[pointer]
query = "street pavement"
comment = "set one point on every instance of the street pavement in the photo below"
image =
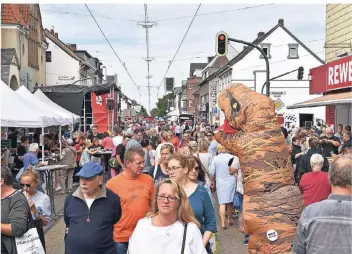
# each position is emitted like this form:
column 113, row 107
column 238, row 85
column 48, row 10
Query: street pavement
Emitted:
column 229, row 241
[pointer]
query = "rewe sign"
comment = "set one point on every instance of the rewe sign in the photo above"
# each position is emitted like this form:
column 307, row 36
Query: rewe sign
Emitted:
column 339, row 74
column 331, row 76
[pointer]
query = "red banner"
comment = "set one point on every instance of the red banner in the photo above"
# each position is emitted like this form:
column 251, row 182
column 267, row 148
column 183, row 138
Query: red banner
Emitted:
column 100, row 111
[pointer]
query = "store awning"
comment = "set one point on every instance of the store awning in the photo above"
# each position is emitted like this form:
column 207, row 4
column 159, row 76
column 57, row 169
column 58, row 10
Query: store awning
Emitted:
column 329, row 99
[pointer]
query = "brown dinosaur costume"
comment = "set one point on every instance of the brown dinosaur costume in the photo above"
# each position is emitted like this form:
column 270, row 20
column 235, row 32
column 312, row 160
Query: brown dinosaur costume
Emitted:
column 271, row 201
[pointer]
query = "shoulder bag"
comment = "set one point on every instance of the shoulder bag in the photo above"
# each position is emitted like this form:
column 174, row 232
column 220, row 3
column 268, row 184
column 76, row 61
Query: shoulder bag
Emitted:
column 184, row 239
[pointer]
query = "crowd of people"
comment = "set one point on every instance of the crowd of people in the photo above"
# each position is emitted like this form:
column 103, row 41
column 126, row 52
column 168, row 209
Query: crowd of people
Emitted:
column 163, row 185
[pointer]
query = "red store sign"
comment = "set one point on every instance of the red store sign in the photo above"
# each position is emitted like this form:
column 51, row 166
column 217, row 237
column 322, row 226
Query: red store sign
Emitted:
column 332, row 76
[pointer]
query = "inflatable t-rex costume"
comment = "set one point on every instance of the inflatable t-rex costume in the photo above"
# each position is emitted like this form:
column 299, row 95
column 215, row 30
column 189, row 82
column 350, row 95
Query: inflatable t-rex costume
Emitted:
column 271, row 201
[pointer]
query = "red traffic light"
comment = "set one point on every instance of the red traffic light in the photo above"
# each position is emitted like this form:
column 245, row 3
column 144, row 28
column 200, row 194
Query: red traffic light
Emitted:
column 222, row 37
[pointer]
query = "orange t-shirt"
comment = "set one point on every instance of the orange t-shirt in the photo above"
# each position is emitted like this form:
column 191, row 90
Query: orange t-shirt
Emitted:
column 135, row 197
column 175, row 141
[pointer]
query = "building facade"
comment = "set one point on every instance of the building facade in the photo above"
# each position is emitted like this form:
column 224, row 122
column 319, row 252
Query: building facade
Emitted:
column 286, row 53
column 23, row 46
column 62, row 64
column 338, row 30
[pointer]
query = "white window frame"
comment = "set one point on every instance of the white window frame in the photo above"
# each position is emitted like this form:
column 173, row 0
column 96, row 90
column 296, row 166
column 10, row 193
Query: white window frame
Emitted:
column 268, row 46
column 293, row 46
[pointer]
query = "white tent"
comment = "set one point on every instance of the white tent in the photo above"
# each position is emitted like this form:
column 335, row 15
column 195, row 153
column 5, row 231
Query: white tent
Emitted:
column 40, row 106
column 39, row 94
column 19, row 112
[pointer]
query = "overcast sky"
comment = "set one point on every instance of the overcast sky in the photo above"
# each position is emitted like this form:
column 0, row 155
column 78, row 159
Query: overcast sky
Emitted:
column 119, row 23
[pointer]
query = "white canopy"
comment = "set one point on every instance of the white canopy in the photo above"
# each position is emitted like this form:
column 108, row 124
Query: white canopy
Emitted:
column 39, row 94
column 19, row 112
column 42, row 107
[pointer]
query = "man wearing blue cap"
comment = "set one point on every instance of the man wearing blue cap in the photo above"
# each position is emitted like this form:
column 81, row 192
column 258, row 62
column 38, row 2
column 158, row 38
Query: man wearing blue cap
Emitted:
column 90, row 214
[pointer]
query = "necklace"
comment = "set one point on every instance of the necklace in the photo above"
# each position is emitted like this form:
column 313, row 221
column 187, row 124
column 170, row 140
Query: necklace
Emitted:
column 169, row 228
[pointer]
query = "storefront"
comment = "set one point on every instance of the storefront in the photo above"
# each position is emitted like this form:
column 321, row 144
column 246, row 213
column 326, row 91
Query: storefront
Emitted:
column 334, row 81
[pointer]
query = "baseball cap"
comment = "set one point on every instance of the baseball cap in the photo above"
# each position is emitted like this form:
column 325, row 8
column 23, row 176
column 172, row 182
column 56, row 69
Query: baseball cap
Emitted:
column 90, row 169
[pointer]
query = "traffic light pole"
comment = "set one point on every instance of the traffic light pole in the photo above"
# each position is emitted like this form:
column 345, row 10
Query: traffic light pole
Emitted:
column 279, row 77
column 267, row 83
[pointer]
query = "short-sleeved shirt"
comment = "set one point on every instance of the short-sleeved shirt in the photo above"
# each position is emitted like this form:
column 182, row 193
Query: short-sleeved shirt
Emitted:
column 96, row 147
column 135, row 196
column 120, row 150
column 315, row 187
column 328, row 147
column 42, row 203
column 213, row 147
column 159, row 175
column 21, row 150
column 29, row 159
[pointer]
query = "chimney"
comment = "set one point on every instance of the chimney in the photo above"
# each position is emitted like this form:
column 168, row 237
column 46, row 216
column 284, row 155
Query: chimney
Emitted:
column 210, row 58
column 73, row 47
column 52, row 30
column 261, row 34
column 57, row 35
column 281, row 22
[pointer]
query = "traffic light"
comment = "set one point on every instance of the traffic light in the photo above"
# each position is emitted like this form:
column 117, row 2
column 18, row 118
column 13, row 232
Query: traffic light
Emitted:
column 300, row 73
column 221, row 44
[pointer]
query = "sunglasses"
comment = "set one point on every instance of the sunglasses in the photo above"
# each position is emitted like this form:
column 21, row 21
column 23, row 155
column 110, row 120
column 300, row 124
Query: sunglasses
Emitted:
column 28, row 185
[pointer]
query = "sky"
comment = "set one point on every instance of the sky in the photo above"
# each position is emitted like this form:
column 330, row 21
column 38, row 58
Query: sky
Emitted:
column 74, row 24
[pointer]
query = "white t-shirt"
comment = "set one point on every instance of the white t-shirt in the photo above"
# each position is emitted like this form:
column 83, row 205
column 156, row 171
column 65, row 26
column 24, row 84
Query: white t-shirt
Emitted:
column 177, row 129
column 117, row 140
column 148, row 239
column 89, row 202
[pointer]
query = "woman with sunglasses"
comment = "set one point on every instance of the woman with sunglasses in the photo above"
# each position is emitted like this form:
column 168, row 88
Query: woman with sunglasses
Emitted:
column 162, row 231
column 39, row 203
column 179, row 169
column 198, row 175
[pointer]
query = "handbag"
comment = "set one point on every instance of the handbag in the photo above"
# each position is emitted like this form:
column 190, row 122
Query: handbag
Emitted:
column 31, row 242
column 184, row 239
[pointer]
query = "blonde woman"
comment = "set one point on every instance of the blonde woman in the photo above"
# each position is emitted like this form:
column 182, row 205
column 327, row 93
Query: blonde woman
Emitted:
column 225, row 182
column 204, row 156
column 160, row 171
column 185, row 151
column 170, row 227
column 179, row 169
column 85, row 157
column 193, row 144
column 165, row 139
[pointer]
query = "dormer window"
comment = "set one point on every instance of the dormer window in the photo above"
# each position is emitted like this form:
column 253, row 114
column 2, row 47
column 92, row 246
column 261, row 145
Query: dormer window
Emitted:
column 293, row 51
column 266, row 48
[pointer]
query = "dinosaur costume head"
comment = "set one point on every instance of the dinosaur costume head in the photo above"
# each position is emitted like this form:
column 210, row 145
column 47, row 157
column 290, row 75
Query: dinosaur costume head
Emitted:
column 271, row 201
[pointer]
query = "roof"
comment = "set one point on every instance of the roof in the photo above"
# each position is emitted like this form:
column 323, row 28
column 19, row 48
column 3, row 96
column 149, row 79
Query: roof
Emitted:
column 329, row 99
column 19, row 14
column 259, row 40
column 195, row 66
column 14, row 14
column 62, row 45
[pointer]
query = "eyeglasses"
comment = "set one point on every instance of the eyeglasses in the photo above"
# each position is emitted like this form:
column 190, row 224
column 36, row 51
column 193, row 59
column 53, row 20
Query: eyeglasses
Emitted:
column 174, row 169
column 169, row 199
column 28, row 185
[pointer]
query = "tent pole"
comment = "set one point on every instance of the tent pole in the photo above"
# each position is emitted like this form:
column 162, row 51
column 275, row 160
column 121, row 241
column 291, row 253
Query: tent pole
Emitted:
column 60, row 139
column 84, row 114
column 43, row 144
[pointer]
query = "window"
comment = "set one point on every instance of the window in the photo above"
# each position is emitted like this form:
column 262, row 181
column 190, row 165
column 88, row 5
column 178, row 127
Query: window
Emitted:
column 293, row 51
column 48, row 56
column 189, row 86
column 23, row 49
column 190, row 103
column 266, row 48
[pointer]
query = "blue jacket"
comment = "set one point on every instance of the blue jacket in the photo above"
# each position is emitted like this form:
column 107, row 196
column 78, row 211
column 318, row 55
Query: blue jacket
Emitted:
column 90, row 231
